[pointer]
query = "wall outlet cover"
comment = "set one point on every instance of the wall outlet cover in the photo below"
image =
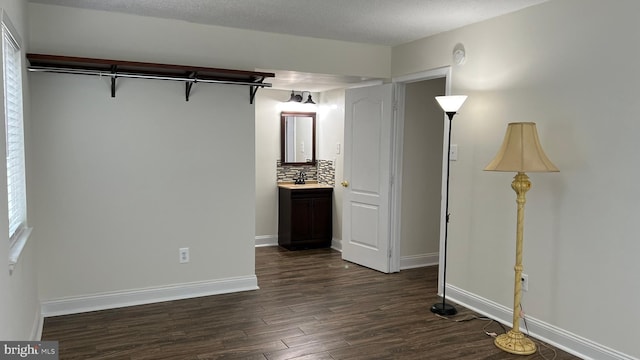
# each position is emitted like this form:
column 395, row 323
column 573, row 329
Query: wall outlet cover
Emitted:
column 184, row 255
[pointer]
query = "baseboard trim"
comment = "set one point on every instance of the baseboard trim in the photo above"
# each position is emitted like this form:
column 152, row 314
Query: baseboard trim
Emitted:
column 552, row 335
column 416, row 261
column 38, row 325
column 117, row 299
column 272, row 240
column 336, row 244
column 266, row 240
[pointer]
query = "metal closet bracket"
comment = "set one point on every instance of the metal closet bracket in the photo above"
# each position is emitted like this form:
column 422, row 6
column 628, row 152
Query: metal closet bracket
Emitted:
column 189, row 84
column 114, row 74
column 254, row 89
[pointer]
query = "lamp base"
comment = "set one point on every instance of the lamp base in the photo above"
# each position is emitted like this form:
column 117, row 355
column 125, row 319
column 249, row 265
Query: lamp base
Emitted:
column 515, row 342
column 443, row 309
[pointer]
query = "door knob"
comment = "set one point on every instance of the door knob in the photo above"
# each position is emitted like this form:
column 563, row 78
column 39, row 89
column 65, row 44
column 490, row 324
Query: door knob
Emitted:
column 345, row 183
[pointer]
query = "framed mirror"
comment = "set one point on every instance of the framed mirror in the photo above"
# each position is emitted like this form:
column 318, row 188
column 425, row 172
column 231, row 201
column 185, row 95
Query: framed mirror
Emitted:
column 298, row 138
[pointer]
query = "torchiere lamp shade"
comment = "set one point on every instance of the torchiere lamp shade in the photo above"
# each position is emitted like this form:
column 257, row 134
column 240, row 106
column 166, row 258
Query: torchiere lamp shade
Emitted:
column 451, row 103
column 521, row 151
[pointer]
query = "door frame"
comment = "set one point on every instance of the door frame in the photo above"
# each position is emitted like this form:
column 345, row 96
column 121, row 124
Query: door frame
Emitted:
column 396, row 159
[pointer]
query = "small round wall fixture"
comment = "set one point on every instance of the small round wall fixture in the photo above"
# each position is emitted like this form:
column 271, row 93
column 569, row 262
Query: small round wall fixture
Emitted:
column 459, row 54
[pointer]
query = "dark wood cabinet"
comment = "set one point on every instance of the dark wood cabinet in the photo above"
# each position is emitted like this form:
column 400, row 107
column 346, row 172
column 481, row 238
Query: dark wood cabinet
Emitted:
column 305, row 217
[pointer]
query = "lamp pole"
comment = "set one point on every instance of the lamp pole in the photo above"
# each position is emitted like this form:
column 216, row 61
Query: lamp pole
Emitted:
column 514, row 341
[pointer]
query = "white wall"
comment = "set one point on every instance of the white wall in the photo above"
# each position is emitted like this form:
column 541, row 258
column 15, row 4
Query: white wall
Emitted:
column 331, row 133
column 268, row 103
column 570, row 66
column 19, row 305
column 121, row 183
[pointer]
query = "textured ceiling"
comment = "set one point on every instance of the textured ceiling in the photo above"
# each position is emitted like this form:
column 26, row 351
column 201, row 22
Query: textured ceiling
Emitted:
column 382, row 22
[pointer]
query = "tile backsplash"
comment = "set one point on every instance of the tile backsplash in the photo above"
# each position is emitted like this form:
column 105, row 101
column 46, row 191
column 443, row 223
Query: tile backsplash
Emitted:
column 324, row 172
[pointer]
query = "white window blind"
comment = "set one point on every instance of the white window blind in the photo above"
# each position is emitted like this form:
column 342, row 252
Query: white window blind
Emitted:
column 16, row 187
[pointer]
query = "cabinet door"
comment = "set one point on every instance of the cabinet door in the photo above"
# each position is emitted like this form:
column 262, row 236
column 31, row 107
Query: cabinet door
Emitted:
column 301, row 219
column 321, row 219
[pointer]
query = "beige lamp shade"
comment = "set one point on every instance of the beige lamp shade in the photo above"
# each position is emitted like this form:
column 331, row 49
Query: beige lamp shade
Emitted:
column 521, row 151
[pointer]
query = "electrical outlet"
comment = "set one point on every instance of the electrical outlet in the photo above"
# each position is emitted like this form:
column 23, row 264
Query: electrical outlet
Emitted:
column 184, row 255
column 525, row 282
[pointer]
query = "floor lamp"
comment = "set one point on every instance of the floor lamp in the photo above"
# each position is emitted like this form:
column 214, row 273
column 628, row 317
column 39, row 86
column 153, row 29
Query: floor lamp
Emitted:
column 521, row 152
column 450, row 104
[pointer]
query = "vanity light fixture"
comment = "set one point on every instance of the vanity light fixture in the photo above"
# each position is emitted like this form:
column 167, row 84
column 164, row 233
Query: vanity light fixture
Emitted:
column 295, row 97
column 309, row 100
column 298, row 97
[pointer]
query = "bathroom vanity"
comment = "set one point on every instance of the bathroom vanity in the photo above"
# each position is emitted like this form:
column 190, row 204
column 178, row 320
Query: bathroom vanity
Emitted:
column 304, row 215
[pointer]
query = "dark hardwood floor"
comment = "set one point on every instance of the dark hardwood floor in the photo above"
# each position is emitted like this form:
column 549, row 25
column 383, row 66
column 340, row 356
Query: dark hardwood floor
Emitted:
column 311, row 305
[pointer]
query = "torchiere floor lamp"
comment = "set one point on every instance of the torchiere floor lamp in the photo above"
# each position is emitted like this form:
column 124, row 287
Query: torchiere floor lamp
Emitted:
column 450, row 104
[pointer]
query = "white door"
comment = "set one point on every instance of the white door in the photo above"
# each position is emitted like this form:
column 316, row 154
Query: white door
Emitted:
column 367, row 172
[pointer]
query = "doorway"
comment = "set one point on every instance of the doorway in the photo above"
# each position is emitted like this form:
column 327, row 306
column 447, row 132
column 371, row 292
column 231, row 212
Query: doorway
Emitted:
column 421, row 151
column 421, row 174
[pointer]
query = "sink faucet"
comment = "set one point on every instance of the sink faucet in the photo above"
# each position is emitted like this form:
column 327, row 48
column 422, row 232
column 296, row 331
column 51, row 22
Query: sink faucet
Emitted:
column 301, row 178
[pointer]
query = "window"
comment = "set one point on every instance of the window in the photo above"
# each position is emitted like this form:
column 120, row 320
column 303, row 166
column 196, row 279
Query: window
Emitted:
column 16, row 184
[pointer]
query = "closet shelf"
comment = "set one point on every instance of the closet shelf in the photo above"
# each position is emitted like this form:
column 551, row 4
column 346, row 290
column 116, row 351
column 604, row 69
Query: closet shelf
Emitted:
column 115, row 69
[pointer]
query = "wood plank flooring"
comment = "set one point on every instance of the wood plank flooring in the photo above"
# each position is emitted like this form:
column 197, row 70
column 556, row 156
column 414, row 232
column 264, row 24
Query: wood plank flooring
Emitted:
column 311, row 305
